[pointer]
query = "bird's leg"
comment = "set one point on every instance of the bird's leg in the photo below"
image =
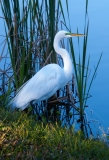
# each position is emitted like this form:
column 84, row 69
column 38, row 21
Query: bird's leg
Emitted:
column 58, row 93
column 37, row 112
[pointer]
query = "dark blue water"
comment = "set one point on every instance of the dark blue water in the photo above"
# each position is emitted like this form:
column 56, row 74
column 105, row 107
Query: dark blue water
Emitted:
column 98, row 41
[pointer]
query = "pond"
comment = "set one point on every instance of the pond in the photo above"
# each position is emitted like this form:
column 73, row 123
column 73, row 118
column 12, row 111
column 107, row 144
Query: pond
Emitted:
column 98, row 41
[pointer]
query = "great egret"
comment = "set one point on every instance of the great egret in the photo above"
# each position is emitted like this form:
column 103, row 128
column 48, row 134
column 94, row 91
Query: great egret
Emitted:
column 49, row 79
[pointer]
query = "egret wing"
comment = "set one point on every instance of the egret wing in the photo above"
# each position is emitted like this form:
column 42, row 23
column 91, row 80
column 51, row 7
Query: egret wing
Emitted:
column 41, row 86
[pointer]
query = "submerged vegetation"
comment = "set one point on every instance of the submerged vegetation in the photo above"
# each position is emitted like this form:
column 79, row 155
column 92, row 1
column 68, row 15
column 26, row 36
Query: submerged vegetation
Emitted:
column 21, row 137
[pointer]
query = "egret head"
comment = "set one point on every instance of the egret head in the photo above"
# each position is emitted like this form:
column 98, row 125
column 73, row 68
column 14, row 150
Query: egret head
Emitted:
column 65, row 34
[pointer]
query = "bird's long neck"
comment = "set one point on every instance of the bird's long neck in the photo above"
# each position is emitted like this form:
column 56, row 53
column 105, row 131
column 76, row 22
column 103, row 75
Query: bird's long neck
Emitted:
column 66, row 58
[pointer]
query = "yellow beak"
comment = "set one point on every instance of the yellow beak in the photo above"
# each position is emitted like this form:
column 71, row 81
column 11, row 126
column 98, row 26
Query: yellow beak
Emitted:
column 77, row 35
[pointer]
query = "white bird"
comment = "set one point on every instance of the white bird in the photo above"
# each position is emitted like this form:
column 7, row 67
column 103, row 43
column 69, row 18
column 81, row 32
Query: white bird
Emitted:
column 48, row 80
